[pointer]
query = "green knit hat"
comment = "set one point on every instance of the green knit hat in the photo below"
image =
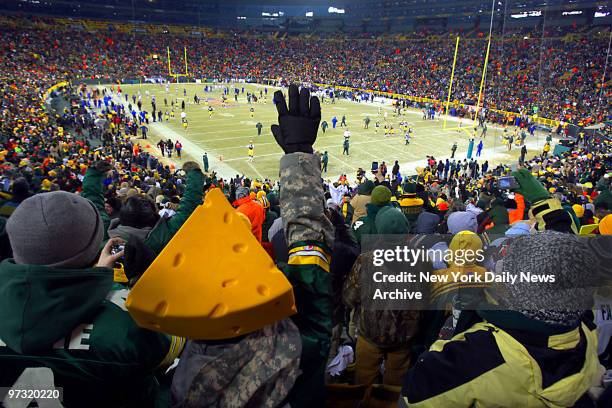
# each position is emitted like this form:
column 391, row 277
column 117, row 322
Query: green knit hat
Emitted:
column 390, row 220
column 380, row 196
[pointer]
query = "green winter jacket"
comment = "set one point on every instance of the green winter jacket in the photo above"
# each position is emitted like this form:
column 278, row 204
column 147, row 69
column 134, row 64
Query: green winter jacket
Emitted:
column 270, row 217
column 163, row 232
column 93, row 190
column 499, row 216
column 73, row 325
column 365, row 225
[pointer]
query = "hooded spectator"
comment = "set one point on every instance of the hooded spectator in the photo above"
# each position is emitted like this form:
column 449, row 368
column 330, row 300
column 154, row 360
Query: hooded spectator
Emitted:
column 447, row 294
column 461, row 221
column 427, row 223
column 384, row 335
column 75, row 329
column 380, row 198
column 253, row 210
column 363, row 197
column 516, row 363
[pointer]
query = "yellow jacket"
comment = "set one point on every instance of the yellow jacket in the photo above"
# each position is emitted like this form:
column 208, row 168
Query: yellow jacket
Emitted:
column 486, row 366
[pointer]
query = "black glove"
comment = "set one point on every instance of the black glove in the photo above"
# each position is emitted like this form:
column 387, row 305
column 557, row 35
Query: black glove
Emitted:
column 298, row 125
column 102, row 166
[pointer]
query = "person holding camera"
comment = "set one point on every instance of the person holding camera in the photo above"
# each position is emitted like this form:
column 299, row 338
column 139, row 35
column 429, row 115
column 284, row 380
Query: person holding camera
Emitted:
column 64, row 321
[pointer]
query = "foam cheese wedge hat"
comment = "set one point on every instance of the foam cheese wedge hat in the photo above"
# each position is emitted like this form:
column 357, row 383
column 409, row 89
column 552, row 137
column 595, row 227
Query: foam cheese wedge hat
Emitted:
column 212, row 281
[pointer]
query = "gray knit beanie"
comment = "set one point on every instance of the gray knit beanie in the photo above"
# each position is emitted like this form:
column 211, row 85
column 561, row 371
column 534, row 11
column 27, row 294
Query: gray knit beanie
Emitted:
column 577, row 263
column 57, row 229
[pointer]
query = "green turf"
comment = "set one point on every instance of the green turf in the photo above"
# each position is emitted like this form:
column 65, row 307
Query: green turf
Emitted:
column 225, row 136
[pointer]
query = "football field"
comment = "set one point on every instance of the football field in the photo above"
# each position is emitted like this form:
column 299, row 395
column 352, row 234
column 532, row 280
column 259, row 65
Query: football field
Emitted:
column 226, row 135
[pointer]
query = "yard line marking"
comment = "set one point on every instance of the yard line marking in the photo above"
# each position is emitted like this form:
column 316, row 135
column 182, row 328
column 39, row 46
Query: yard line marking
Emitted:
column 256, row 156
column 256, row 171
column 366, row 152
column 341, row 161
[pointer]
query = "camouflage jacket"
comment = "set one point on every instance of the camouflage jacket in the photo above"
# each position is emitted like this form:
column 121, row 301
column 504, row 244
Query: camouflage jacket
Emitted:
column 283, row 363
column 383, row 328
column 309, row 238
column 231, row 373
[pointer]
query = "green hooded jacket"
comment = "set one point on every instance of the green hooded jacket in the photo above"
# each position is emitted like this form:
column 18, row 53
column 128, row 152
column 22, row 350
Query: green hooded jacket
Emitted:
column 366, row 225
column 192, row 197
column 74, row 324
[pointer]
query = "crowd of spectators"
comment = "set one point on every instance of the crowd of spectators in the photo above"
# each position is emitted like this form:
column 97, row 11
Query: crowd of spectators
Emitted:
column 553, row 77
column 73, row 189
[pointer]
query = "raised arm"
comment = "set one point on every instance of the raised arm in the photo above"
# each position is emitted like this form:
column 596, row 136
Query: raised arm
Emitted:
column 547, row 210
column 192, row 197
column 93, row 190
column 309, row 238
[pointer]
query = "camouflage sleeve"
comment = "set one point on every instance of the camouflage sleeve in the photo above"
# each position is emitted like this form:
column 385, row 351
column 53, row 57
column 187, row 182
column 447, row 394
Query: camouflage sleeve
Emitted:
column 302, row 201
column 351, row 292
column 309, row 239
